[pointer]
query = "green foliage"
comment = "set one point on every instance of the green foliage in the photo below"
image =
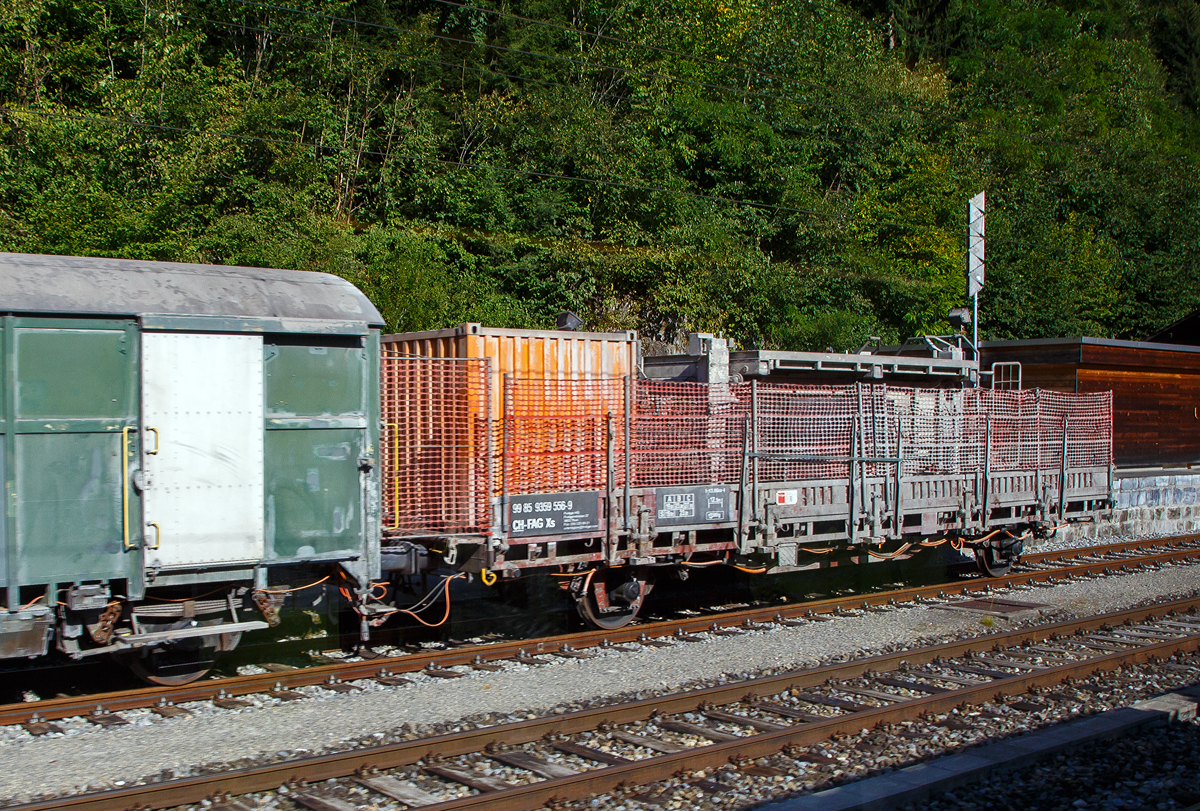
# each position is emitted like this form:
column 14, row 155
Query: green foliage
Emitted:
column 793, row 174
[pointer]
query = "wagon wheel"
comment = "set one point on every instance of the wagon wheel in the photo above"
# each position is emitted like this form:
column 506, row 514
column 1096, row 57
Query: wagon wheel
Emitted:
column 624, row 600
column 992, row 562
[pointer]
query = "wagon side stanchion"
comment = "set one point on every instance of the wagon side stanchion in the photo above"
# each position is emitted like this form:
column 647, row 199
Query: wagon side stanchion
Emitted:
column 1062, row 476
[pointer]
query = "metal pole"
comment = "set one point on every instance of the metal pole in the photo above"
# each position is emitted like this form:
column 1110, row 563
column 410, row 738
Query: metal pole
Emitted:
column 754, row 447
column 504, row 452
column 1062, row 476
column 987, row 476
column 743, row 530
column 898, row 515
column 609, row 489
column 628, row 448
column 975, row 328
column 852, row 506
column 497, row 518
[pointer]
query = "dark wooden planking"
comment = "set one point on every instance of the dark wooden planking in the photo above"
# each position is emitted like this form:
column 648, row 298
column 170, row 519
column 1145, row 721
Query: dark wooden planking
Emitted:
column 1053, row 376
column 1025, row 352
column 1142, row 358
column 1156, row 415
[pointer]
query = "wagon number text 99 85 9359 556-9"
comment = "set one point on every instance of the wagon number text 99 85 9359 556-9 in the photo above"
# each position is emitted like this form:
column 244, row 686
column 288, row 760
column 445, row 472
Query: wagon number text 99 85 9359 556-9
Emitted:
column 554, row 513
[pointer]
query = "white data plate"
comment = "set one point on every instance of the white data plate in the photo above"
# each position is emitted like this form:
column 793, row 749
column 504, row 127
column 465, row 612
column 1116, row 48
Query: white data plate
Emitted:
column 203, row 394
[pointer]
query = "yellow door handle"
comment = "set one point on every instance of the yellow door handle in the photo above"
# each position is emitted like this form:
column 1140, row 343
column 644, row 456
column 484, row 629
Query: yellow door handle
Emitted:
column 155, row 430
column 157, row 534
column 125, row 484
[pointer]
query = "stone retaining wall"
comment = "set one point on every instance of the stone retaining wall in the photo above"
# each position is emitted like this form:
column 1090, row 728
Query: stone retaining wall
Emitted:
column 1148, row 505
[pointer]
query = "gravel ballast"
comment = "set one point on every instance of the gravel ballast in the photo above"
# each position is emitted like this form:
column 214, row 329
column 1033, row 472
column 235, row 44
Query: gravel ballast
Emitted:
column 85, row 756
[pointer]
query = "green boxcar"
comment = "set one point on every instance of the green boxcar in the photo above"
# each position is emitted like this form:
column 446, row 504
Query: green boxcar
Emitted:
column 174, row 432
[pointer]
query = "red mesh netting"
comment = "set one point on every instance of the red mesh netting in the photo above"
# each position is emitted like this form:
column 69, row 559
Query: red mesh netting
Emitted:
column 687, row 433
column 812, row 421
column 434, row 445
column 555, row 434
column 1089, row 421
column 439, row 471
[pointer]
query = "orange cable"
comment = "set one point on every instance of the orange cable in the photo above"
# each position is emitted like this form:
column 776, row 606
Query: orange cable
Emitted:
column 890, row 555
column 446, row 589
column 298, row 588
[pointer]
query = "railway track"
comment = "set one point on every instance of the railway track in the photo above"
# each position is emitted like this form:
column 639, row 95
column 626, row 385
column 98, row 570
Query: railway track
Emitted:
column 569, row 757
column 1037, row 568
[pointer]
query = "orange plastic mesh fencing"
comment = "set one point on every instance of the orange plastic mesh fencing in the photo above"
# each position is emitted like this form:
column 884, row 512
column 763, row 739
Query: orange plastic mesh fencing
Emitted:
column 556, row 434
column 688, row 433
column 810, row 421
column 1089, row 422
column 435, row 445
column 441, row 464
column 1017, row 442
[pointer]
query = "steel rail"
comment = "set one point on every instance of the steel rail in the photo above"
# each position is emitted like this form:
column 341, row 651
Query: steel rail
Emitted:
column 58, row 708
column 315, row 769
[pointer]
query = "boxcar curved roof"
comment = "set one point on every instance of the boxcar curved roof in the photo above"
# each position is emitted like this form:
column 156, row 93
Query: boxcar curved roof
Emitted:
column 35, row 283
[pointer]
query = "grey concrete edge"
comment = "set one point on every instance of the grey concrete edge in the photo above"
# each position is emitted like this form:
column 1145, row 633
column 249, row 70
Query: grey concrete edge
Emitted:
column 918, row 783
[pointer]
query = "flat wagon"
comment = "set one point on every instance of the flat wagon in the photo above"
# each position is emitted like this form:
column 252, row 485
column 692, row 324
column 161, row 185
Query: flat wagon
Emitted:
column 607, row 477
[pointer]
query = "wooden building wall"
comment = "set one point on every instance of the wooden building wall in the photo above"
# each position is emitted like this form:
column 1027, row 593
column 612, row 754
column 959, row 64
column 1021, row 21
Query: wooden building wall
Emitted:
column 1156, row 390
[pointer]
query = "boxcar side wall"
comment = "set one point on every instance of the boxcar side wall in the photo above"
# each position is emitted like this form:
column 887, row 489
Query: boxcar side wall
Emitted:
column 71, row 404
column 319, row 410
column 517, row 353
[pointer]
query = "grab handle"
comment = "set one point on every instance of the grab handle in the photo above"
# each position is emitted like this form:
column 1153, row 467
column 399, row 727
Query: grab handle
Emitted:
column 125, row 485
column 157, row 534
column 155, row 430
